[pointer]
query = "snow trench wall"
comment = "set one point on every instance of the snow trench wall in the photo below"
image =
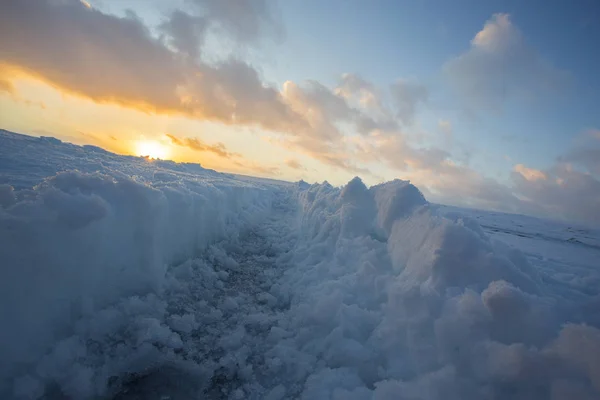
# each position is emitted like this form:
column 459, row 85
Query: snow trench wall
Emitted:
column 78, row 241
column 393, row 301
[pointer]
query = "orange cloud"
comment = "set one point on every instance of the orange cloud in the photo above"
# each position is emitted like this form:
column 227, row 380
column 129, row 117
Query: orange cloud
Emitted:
column 294, row 164
column 530, row 174
column 235, row 159
column 196, row 144
column 6, row 86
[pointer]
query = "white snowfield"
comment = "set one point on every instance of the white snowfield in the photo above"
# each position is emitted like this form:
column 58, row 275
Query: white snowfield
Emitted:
column 127, row 278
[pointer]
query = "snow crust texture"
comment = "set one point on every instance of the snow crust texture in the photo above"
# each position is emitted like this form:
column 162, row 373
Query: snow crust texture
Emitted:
column 123, row 278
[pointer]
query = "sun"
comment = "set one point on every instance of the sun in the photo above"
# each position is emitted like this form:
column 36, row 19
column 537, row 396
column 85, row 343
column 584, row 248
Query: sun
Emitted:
column 152, row 149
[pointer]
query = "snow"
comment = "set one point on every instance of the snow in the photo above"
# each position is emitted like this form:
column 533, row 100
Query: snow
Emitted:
column 126, row 278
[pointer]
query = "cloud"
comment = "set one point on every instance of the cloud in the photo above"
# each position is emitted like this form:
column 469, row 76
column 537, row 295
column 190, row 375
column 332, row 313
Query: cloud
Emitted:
column 586, row 152
column 499, row 65
column 587, row 157
column 196, row 144
column 235, row 159
column 394, row 149
column 352, row 86
column 565, row 193
column 185, row 32
column 331, row 122
column 445, row 126
column 461, row 185
column 407, row 96
column 294, row 164
column 530, row 174
column 560, row 192
column 112, row 59
column 245, row 21
column 332, row 115
column 326, row 110
column 593, row 133
column 319, row 106
column 6, row 86
column 250, row 166
column 337, row 154
column 83, row 51
column 362, row 94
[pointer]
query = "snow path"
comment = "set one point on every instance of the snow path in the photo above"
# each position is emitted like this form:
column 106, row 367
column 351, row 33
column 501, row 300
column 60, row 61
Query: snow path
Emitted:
column 232, row 341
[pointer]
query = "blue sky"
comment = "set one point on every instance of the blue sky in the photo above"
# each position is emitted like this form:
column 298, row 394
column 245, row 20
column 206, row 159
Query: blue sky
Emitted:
column 385, row 40
column 485, row 104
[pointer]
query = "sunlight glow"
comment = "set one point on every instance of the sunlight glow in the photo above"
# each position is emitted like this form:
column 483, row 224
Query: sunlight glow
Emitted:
column 152, row 149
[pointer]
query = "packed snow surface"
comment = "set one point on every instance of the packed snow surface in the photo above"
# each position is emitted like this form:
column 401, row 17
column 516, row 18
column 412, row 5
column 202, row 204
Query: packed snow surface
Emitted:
column 128, row 278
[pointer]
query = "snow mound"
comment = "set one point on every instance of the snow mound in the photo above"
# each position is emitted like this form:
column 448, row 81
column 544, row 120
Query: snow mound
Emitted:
column 392, row 300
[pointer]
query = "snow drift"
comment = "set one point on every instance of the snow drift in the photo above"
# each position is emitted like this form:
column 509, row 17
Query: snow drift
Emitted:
column 150, row 279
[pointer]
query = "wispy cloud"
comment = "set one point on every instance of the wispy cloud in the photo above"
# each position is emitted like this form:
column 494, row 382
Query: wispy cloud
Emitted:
column 249, row 166
column 235, row 160
column 6, row 86
column 531, row 174
column 196, row 144
column 294, row 164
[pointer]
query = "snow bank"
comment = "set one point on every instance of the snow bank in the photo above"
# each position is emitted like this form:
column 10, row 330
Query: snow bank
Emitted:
column 78, row 241
column 391, row 300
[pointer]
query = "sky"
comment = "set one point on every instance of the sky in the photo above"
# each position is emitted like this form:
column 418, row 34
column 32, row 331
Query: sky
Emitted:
column 490, row 105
